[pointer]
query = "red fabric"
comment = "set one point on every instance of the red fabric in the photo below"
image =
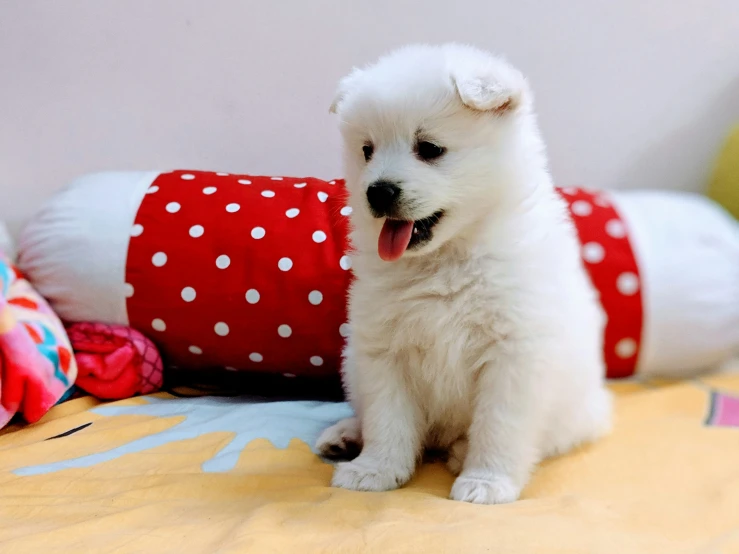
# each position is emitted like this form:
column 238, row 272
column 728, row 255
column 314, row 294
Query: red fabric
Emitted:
column 203, row 243
column 114, row 361
column 612, row 266
column 224, row 235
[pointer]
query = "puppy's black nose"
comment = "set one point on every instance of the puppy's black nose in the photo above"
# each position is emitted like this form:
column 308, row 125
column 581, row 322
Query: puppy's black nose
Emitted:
column 382, row 196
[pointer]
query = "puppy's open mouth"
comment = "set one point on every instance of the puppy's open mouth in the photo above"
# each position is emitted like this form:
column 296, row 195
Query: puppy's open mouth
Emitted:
column 398, row 235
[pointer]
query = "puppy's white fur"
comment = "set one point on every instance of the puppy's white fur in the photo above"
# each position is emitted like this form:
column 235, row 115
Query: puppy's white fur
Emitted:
column 487, row 340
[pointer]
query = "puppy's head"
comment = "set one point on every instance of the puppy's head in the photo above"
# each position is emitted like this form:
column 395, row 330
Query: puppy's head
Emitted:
column 432, row 139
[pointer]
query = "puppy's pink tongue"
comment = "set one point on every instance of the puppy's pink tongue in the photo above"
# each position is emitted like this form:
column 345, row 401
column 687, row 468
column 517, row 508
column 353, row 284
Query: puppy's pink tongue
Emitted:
column 394, row 239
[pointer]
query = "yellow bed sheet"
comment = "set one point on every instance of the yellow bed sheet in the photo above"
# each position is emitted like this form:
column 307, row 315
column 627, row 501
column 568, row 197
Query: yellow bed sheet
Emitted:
column 163, row 474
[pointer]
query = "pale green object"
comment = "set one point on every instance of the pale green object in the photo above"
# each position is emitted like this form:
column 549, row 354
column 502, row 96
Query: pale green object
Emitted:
column 724, row 186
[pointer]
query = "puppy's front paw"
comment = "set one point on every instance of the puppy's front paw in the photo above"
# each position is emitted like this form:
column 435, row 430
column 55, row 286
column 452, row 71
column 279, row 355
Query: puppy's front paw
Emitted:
column 368, row 474
column 485, row 489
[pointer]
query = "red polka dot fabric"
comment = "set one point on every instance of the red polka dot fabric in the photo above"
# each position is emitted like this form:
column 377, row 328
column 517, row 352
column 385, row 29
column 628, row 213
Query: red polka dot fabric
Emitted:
column 251, row 273
column 243, row 272
column 612, row 266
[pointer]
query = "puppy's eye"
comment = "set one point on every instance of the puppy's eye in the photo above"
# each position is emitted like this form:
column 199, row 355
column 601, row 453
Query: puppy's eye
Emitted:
column 429, row 151
column 368, row 149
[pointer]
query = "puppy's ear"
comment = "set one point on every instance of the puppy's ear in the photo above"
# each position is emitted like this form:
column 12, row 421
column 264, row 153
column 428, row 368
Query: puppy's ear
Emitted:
column 488, row 84
column 345, row 86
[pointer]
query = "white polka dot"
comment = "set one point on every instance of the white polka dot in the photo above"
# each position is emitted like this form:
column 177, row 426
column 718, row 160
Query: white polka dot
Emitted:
column 285, row 264
column 292, row 212
column 276, row 178
column 223, row 261
column 221, row 329
column 288, row 375
column 593, row 252
column 284, row 331
column 299, row 185
column 316, row 360
column 570, row 191
column 195, row 350
column 322, row 196
column 581, row 208
column 244, row 181
column 128, row 289
column 187, row 176
column 601, row 201
column 159, row 259
column 197, row 231
column 627, row 283
column 625, row 348
column 319, row 236
column 209, row 190
column 221, row 174
column 252, row 296
column 229, row 368
column 616, row 229
column 332, row 182
column 152, row 189
column 255, row 357
column 188, row 294
column 268, row 193
column 233, row 208
column 315, row 297
column 258, row 233
column 346, row 210
column 136, row 230
column 344, row 330
column 158, row 325
column 173, row 207
column 345, row 263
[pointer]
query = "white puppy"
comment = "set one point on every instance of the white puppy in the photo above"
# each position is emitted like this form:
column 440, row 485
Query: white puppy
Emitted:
column 474, row 328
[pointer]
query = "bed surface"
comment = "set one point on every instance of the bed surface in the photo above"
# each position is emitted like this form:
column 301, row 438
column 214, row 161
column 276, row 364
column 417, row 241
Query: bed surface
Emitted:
column 207, row 474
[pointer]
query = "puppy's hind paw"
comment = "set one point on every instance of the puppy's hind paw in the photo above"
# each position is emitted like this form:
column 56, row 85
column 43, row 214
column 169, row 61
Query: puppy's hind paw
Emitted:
column 457, row 455
column 485, row 489
column 342, row 441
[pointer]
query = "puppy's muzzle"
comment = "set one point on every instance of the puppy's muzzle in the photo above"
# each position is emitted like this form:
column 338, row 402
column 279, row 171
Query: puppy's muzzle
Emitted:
column 383, row 197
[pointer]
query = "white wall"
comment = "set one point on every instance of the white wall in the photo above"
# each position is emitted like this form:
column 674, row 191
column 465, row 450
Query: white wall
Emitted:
column 632, row 93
